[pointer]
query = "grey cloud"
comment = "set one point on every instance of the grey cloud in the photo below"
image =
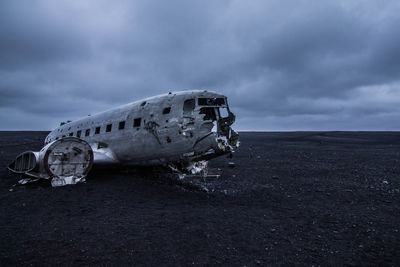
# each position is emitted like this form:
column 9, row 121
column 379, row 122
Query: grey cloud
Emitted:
column 283, row 64
column 29, row 38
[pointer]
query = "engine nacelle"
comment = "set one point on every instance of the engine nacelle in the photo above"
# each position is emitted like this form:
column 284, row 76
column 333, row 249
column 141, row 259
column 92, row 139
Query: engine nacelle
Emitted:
column 65, row 161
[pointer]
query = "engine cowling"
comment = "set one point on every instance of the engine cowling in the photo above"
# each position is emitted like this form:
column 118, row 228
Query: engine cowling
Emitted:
column 65, row 161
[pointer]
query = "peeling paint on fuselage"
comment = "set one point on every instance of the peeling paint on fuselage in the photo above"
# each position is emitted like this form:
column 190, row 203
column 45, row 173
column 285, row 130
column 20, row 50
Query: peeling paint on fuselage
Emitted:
column 177, row 136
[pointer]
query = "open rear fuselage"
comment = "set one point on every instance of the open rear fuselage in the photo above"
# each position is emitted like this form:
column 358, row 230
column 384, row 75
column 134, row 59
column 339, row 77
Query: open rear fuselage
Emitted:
column 176, row 127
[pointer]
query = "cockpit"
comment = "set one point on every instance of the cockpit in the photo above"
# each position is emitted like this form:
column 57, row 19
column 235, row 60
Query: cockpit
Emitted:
column 215, row 114
column 213, row 108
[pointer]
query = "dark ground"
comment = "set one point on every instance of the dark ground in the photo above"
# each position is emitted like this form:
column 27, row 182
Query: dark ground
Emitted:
column 306, row 198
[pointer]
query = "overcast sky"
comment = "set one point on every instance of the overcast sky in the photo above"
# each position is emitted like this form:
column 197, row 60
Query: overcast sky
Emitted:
column 284, row 65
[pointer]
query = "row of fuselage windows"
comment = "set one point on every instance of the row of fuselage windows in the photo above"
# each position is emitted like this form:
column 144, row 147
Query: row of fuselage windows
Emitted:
column 121, row 125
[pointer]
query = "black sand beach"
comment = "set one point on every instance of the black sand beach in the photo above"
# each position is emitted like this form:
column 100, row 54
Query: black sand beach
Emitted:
column 304, row 198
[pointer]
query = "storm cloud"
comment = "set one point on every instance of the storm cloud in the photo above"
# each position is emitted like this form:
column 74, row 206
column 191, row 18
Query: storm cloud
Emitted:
column 284, row 65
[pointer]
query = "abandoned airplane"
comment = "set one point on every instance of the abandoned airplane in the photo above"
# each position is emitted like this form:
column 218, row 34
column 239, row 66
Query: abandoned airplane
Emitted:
column 180, row 130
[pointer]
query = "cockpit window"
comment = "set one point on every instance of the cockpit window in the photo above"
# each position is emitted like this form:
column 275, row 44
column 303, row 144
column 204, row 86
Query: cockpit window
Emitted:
column 209, row 114
column 211, row 101
column 223, row 113
column 188, row 106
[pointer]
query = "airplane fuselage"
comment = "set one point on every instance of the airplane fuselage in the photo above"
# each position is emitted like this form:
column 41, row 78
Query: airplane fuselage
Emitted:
column 176, row 127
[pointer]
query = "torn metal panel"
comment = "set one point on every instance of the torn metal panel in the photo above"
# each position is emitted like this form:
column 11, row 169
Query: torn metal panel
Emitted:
column 151, row 127
column 66, row 180
column 103, row 154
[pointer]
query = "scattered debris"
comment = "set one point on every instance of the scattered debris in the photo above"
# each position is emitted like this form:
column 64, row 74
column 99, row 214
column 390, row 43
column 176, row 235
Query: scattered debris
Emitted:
column 61, row 181
column 199, row 167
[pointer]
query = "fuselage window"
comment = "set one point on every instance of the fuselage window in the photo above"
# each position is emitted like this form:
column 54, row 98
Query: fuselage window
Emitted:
column 166, row 110
column 71, row 134
column 109, row 127
column 188, row 106
column 121, row 125
column 136, row 122
column 87, row 132
column 78, row 133
column 97, row 130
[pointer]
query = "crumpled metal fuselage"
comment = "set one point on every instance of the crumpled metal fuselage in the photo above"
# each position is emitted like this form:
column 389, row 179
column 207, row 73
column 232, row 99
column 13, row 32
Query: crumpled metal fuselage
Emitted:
column 175, row 128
